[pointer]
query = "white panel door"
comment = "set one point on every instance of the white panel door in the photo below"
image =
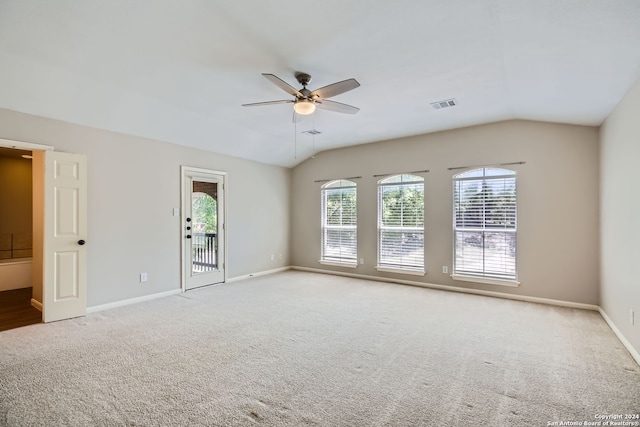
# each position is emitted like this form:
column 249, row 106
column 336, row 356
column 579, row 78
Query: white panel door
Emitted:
column 64, row 234
column 203, row 233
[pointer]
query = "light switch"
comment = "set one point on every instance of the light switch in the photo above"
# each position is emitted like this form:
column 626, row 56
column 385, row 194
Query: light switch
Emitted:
column 176, row 211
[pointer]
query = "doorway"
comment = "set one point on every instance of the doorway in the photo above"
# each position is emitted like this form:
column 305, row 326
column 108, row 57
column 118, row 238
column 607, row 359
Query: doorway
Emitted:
column 16, row 241
column 203, row 231
column 59, row 226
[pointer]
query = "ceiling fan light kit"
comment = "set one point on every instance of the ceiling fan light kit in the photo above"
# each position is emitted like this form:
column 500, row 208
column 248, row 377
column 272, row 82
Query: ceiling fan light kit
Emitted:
column 304, row 107
column 306, row 101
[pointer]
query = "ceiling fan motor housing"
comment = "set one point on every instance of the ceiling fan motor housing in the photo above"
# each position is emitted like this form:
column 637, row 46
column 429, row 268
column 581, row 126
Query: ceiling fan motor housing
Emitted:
column 303, row 78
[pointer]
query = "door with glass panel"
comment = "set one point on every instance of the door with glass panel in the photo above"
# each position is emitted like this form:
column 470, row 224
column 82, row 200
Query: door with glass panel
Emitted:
column 202, row 228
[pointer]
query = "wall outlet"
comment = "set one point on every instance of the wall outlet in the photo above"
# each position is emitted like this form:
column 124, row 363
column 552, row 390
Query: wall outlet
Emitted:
column 361, row 261
column 273, row 257
column 143, row 277
column 631, row 316
column 445, row 269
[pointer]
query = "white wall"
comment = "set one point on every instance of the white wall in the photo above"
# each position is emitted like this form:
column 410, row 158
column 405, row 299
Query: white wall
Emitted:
column 558, row 218
column 133, row 186
column 620, row 211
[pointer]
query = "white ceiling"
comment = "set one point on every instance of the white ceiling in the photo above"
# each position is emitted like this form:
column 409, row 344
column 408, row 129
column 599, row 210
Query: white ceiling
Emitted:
column 179, row 70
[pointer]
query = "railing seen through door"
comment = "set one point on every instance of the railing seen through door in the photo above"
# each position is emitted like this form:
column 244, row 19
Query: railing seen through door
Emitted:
column 204, row 252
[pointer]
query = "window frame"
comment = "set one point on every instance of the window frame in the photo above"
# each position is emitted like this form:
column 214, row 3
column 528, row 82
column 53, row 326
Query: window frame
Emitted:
column 385, row 264
column 341, row 186
column 484, row 275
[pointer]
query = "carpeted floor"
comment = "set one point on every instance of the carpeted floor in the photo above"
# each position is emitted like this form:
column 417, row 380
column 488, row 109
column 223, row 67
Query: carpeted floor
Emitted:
column 303, row 349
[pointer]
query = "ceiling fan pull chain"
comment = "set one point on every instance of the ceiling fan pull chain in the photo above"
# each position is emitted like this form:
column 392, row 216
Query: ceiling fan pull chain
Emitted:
column 313, row 139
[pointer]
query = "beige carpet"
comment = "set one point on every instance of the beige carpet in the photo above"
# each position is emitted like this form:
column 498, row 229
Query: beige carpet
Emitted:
column 302, row 349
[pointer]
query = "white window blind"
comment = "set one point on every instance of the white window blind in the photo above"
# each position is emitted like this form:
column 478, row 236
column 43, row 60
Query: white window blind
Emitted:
column 485, row 223
column 401, row 222
column 339, row 222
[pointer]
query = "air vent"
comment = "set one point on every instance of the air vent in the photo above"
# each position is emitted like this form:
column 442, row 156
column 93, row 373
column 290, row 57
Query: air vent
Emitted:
column 444, row 104
column 312, row 132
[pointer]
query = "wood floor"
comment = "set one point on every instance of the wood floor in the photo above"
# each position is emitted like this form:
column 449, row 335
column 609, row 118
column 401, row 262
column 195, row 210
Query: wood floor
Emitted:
column 16, row 309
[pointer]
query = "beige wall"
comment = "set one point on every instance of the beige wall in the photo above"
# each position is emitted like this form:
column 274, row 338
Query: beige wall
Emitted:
column 15, row 195
column 133, row 186
column 620, row 210
column 558, row 237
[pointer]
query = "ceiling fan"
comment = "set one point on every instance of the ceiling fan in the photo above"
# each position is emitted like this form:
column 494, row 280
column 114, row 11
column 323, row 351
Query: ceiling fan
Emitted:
column 306, row 101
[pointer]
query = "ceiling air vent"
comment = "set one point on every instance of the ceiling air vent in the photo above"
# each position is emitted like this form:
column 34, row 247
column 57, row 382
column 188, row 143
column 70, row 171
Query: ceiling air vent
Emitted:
column 444, row 104
column 312, row 132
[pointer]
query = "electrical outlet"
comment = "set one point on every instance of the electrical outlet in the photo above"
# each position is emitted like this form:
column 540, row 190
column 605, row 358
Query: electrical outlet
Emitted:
column 361, row 261
column 445, row 269
column 143, row 277
column 631, row 316
column 273, row 257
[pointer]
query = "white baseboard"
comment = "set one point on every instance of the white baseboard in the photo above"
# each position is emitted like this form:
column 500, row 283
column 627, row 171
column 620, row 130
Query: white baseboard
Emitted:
column 96, row 308
column 548, row 301
column 621, row 337
column 36, row 304
column 260, row 273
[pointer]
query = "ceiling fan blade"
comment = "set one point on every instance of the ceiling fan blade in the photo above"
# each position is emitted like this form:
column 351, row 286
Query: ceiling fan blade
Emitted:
column 282, row 84
column 335, row 89
column 257, row 104
column 338, row 107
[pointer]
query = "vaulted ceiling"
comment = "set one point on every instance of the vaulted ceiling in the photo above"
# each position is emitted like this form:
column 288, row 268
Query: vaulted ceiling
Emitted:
column 178, row 71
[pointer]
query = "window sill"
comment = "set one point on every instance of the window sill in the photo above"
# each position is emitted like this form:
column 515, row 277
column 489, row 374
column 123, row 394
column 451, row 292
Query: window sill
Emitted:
column 401, row 271
column 339, row 264
column 486, row 280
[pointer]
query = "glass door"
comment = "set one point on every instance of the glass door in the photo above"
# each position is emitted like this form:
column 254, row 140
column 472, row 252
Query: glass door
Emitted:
column 203, row 229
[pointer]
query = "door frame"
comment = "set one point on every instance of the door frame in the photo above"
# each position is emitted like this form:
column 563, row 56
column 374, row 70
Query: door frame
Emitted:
column 184, row 268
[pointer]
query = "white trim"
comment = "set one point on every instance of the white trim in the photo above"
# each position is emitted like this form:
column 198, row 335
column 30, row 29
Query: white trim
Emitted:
column 36, row 304
column 623, row 340
column 260, row 273
column 339, row 264
column 401, row 271
column 19, row 145
column 204, row 172
column 486, row 280
column 122, row 303
column 525, row 298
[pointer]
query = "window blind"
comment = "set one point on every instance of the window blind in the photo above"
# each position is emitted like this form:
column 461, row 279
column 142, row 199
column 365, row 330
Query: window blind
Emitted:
column 401, row 222
column 339, row 222
column 485, row 223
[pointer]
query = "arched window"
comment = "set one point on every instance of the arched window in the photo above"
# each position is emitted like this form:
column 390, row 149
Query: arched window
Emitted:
column 401, row 223
column 485, row 225
column 339, row 223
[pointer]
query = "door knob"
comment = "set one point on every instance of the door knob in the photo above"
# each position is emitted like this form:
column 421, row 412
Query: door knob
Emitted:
column 81, row 242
